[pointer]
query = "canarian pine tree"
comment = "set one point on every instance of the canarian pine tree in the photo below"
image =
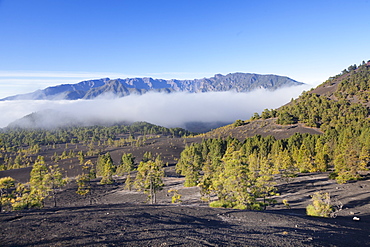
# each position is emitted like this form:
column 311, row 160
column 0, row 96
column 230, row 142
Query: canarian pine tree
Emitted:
column 190, row 165
column 108, row 170
column 39, row 189
column 54, row 180
column 127, row 164
column 84, row 180
column 6, row 185
column 149, row 178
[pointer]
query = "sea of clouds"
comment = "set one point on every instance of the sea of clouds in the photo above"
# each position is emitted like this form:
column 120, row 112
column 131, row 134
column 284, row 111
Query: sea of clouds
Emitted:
column 170, row 110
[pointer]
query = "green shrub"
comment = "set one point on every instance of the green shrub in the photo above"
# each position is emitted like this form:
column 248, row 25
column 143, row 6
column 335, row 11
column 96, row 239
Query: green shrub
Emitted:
column 240, row 206
column 258, row 206
column 333, row 175
column 27, row 201
column 321, row 205
column 286, row 203
column 238, row 123
column 20, row 205
column 221, row 204
column 176, row 197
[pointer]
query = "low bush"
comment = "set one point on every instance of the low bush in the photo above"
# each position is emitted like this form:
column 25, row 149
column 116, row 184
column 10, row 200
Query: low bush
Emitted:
column 221, row 204
column 321, row 205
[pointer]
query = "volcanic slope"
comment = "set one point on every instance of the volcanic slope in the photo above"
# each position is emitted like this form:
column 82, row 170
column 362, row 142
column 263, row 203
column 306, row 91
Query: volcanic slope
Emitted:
column 263, row 127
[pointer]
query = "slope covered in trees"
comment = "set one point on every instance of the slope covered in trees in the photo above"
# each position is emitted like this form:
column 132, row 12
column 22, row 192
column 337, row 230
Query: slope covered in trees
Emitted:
column 343, row 115
column 19, row 147
column 240, row 173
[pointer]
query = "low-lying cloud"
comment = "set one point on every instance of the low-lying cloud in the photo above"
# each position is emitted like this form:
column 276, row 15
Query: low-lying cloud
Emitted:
column 170, row 110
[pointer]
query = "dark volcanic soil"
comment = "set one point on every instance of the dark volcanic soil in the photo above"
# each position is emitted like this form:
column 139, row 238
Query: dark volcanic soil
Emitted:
column 168, row 225
column 120, row 217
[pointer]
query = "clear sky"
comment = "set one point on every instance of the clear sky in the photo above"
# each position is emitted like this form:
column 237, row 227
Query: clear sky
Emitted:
column 48, row 42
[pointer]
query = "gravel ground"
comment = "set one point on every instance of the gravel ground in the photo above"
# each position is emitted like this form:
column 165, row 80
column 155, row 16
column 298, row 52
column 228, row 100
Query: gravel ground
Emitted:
column 168, row 225
column 121, row 218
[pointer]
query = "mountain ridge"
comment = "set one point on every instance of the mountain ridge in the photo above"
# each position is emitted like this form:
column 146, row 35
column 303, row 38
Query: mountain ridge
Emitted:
column 90, row 89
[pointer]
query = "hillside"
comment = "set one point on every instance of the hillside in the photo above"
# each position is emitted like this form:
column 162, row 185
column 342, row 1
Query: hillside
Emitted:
column 238, row 82
column 343, row 97
column 355, row 77
column 263, row 127
column 341, row 100
column 330, row 123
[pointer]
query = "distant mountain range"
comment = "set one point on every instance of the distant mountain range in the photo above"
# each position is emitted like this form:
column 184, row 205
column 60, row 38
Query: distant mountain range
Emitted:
column 238, row 82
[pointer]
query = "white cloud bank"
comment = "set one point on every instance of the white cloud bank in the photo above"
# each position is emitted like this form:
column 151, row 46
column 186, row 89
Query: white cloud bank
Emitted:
column 170, row 110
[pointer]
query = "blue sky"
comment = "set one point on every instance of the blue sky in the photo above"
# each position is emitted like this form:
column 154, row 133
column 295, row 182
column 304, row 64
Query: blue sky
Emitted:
column 48, row 42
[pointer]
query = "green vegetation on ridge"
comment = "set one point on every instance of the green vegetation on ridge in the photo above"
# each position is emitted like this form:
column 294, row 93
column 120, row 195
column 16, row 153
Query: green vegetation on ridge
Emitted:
column 18, row 146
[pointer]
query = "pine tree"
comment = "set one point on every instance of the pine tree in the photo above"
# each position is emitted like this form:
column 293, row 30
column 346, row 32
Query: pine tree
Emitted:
column 81, row 157
column 286, row 165
column 304, row 159
column 147, row 156
column 128, row 182
column 6, row 184
column 206, row 181
column 347, row 166
column 264, row 186
column 364, row 158
column 54, row 180
column 127, row 164
column 100, row 165
column 17, row 162
column 231, row 184
column 321, row 157
column 84, row 180
column 190, row 165
column 108, row 170
column 38, row 187
column 149, row 178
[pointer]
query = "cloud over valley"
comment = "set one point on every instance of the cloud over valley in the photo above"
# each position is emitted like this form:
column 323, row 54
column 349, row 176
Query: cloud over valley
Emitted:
column 170, row 110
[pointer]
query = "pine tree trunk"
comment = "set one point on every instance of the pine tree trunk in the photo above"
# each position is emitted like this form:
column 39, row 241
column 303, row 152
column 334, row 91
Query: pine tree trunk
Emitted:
column 90, row 193
column 55, row 198
column 1, row 197
column 151, row 192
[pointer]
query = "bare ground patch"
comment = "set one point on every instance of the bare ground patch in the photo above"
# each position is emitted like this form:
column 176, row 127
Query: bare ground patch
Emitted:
column 120, row 217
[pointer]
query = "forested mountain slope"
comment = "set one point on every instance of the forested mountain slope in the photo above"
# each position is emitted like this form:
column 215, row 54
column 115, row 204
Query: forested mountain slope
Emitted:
column 340, row 108
column 325, row 129
column 341, row 101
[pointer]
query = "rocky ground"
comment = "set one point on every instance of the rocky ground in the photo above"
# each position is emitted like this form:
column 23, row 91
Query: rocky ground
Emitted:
column 120, row 217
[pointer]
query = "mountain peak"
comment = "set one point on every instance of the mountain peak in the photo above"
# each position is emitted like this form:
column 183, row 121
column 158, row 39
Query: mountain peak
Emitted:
column 89, row 89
